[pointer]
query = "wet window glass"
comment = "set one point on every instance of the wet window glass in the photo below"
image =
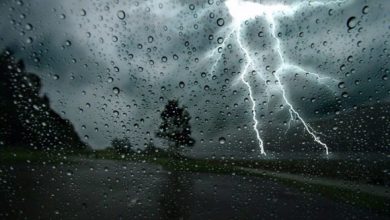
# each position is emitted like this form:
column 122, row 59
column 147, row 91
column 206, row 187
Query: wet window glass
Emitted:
column 206, row 109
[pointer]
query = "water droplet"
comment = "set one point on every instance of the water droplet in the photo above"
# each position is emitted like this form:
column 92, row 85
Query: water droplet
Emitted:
column 150, row 39
column 29, row 40
column 182, row 84
column 68, row 43
column 121, row 14
column 344, row 94
column 341, row 85
column 116, row 113
column 192, row 6
column 29, row 27
column 220, row 22
column 83, row 12
column 116, row 90
column 222, row 140
column 365, row 9
column 351, row 22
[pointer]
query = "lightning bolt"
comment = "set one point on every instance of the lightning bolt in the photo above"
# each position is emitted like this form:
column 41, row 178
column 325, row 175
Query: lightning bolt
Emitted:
column 242, row 77
column 283, row 65
column 242, row 11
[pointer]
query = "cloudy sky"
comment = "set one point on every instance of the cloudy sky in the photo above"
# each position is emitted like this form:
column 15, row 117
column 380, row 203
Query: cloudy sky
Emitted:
column 109, row 66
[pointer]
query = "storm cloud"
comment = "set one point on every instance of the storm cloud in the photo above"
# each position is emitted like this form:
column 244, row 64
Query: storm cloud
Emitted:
column 110, row 66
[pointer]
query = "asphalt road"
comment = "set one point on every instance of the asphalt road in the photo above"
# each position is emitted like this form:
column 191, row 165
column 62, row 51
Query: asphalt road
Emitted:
column 104, row 189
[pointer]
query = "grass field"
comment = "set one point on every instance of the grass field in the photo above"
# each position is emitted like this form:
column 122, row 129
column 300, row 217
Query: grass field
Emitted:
column 373, row 172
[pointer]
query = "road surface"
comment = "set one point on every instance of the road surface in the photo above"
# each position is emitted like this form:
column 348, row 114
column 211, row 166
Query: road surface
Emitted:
column 104, row 189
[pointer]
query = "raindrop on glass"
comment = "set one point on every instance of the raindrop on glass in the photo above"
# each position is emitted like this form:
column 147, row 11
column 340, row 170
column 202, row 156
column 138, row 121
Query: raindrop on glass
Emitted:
column 116, row 90
column 83, row 12
column 121, row 14
column 365, row 9
column 150, row 39
column 351, row 22
column 220, row 22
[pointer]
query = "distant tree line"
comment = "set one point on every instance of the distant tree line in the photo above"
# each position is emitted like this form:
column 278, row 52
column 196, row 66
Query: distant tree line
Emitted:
column 174, row 128
column 123, row 146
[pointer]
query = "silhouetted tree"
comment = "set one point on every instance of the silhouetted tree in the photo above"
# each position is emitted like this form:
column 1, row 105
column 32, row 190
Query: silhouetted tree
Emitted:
column 26, row 119
column 175, row 128
column 150, row 149
column 11, row 128
column 122, row 145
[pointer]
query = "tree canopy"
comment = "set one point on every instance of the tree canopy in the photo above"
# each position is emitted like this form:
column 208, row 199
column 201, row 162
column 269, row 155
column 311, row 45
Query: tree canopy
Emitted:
column 175, row 127
column 26, row 118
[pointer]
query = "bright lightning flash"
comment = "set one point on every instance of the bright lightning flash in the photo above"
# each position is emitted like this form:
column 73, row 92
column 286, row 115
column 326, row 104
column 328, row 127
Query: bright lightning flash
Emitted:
column 242, row 11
